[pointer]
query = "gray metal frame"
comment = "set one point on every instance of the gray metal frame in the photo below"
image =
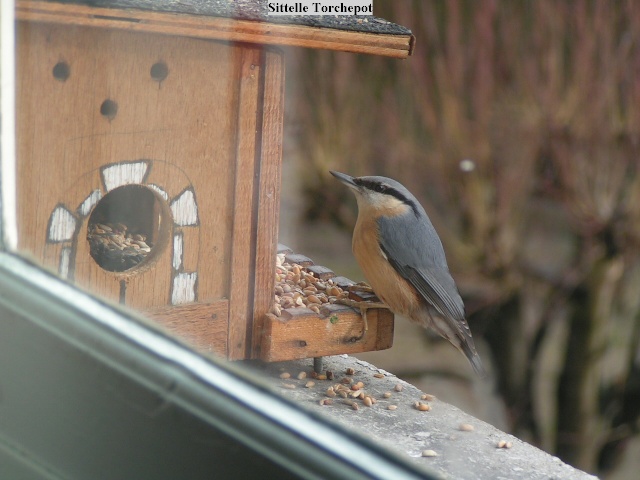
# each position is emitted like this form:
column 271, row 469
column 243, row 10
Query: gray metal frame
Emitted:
column 89, row 391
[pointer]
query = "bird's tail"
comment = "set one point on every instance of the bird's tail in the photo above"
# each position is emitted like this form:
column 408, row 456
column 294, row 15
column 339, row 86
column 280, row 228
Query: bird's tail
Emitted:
column 469, row 351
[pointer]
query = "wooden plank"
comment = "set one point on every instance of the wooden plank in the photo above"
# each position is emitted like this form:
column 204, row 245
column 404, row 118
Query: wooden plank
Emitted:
column 217, row 28
column 243, row 254
column 201, row 325
column 298, row 258
column 283, row 249
column 323, row 273
column 64, row 141
column 300, row 333
column 268, row 191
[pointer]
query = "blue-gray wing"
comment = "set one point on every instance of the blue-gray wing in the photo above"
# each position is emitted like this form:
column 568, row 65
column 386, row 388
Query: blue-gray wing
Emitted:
column 418, row 256
column 415, row 252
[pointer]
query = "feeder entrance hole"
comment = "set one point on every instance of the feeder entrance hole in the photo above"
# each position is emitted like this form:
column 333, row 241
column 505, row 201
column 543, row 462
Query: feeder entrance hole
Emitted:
column 128, row 228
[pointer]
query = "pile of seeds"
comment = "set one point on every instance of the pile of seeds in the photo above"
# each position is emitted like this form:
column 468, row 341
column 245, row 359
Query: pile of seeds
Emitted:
column 297, row 287
column 350, row 392
column 114, row 248
column 353, row 393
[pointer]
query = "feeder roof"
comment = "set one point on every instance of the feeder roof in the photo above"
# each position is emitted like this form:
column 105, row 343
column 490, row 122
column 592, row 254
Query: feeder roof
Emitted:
column 234, row 20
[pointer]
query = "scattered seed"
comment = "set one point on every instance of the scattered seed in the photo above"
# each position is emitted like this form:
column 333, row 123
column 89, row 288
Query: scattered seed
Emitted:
column 311, row 292
column 330, row 392
column 326, row 401
column 427, row 397
column 314, row 299
column 378, row 375
column 302, row 375
column 423, row 407
column 284, row 375
column 335, row 291
column 466, row 427
column 309, row 384
column 367, row 401
column 116, row 249
column 398, row 387
column 350, row 371
column 504, row 444
column 386, row 394
column 321, row 377
column 429, row 453
column 289, row 386
column 392, row 407
column 354, row 405
column 329, row 374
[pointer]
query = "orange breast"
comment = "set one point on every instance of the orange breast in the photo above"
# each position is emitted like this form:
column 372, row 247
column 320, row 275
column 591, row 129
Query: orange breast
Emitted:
column 389, row 286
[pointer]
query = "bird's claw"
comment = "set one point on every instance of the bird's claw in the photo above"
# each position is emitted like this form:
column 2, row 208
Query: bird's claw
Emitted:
column 361, row 287
column 362, row 307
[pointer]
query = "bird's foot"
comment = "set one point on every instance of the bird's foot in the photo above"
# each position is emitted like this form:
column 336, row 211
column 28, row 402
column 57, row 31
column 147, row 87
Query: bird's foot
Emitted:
column 362, row 307
column 361, row 287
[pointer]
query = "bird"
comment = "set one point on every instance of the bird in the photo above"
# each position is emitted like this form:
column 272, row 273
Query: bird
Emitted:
column 402, row 258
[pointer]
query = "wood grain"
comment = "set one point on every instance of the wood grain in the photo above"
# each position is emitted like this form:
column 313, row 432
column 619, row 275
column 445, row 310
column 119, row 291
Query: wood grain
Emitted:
column 203, row 326
column 216, row 28
column 184, row 128
column 300, row 333
column 243, row 250
column 212, row 126
column 269, row 187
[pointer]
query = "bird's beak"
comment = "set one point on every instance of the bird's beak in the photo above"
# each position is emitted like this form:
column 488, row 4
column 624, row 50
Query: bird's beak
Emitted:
column 344, row 178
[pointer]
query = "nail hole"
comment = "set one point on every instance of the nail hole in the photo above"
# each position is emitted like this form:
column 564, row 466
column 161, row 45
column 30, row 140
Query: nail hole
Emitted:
column 109, row 109
column 302, row 343
column 159, row 71
column 61, row 71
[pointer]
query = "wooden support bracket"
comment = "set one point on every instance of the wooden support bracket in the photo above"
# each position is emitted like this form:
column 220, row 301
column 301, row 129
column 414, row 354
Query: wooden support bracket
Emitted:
column 338, row 329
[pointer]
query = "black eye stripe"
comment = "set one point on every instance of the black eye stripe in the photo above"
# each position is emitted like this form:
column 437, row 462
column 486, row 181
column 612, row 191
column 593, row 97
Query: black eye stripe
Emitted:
column 387, row 190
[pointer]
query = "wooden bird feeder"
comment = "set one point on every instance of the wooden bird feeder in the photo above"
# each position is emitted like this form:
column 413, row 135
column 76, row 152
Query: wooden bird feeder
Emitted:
column 149, row 158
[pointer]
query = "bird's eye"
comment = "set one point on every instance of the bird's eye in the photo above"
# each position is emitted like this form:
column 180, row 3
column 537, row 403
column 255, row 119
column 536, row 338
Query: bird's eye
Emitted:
column 380, row 188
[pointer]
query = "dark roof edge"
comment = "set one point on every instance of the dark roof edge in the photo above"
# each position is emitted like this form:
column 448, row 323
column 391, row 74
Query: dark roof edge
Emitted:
column 253, row 10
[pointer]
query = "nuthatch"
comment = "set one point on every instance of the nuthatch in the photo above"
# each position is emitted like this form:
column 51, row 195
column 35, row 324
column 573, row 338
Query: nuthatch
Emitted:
column 402, row 258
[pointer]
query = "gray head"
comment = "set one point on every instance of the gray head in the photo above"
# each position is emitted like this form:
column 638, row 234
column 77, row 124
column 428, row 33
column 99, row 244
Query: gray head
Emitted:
column 382, row 194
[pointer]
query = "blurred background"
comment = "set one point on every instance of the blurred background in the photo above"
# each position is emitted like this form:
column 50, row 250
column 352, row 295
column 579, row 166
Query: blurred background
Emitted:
column 517, row 125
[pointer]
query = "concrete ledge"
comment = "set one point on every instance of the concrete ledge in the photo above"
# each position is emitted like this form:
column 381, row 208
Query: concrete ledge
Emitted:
column 466, row 454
